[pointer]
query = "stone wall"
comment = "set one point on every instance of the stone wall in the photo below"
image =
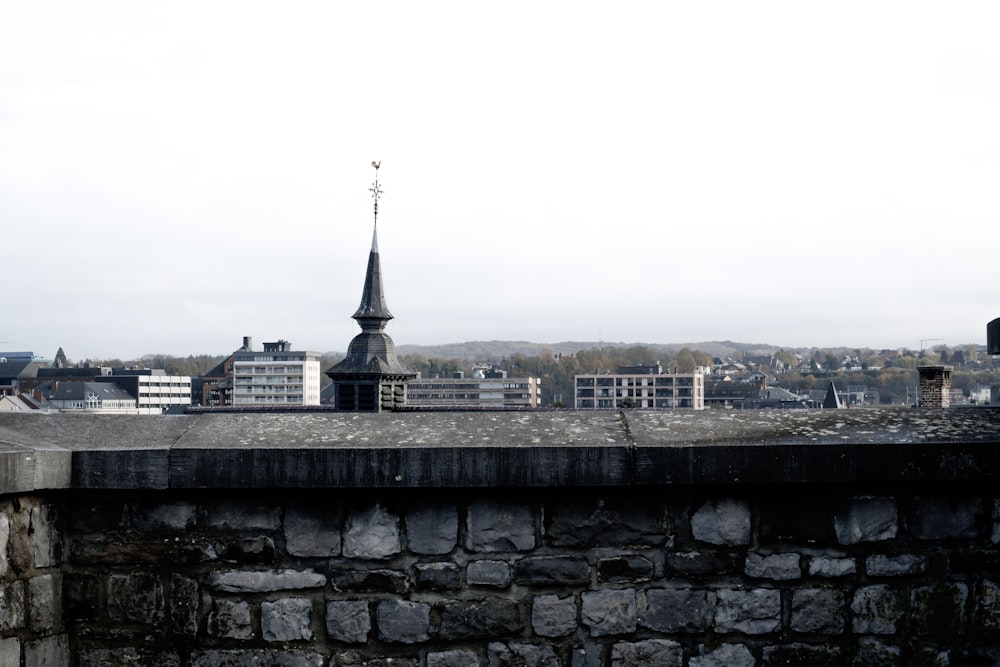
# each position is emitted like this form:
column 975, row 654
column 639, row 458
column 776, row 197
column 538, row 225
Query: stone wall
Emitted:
column 708, row 576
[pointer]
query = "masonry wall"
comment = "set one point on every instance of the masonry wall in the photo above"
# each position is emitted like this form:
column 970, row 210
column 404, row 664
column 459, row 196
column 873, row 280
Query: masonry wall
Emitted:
column 839, row 574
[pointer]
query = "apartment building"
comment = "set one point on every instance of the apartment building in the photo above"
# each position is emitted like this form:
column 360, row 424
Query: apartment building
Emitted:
column 644, row 387
column 491, row 389
column 277, row 375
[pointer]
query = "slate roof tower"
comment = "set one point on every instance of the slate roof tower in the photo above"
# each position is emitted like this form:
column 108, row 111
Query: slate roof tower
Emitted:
column 371, row 378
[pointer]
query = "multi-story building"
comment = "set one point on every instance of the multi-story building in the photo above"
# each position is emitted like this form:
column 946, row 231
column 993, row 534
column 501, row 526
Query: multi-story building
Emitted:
column 276, row 376
column 492, row 389
column 645, row 387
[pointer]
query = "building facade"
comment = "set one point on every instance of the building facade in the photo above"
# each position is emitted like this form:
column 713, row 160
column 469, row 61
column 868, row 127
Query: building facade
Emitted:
column 277, row 376
column 492, row 390
column 644, row 390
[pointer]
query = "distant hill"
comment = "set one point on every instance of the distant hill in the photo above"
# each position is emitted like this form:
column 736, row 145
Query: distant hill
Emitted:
column 499, row 349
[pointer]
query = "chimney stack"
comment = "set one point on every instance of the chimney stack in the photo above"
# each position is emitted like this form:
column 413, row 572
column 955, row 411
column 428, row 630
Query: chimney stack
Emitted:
column 935, row 386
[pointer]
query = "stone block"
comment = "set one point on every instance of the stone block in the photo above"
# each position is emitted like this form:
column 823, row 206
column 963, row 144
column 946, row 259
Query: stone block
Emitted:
column 753, row 612
column 724, row 522
column 10, row 651
column 21, row 547
column 432, row 529
column 348, row 621
column 876, row 610
column 609, row 612
column 818, row 610
column 243, row 515
column 372, row 533
column 43, row 537
column 625, row 569
column 456, row 658
column 184, row 600
column 363, row 659
column 779, row 567
column 154, row 517
column 676, row 610
column 947, row 517
column 805, row 654
column 473, row 619
column 81, row 596
column 874, row 653
column 286, row 620
column 136, row 598
column 995, row 534
column 651, row 652
column 937, row 611
column 371, row 581
column 879, row 565
column 230, row 619
column 590, row 654
column 698, row 563
column 516, row 654
column 551, row 570
column 43, row 604
column 601, row 522
column 866, row 519
column 726, row 655
column 312, row 532
column 256, row 658
column 493, row 526
column 257, row 549
column 832, row 566
column 403, row 622
column 437, row 576
column 986, row 611
column 252, row 581
column 795, row 517
column 130, row 657
column 48, row 652
column 4, row 541
column 552, row 616
column 493, row 573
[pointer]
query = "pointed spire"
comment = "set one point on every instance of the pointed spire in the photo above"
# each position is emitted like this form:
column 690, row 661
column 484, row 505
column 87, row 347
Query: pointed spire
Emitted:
column 373, row 306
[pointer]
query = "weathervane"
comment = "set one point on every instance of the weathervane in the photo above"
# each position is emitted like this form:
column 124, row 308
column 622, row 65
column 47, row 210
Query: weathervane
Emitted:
column 376, row 190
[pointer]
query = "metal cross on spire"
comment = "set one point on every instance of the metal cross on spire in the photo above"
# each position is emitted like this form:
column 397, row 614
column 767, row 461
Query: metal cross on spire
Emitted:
column 376, row 190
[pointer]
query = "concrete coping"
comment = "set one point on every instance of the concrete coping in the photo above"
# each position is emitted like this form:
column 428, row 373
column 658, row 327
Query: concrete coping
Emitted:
column 495, row 449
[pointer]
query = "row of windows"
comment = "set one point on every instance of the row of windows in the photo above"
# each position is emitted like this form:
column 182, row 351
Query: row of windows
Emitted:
column 642, row 381
column 633, row 393
column 603, row 403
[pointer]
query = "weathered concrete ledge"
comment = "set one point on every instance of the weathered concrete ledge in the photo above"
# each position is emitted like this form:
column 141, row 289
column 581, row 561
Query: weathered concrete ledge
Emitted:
column 491, row 450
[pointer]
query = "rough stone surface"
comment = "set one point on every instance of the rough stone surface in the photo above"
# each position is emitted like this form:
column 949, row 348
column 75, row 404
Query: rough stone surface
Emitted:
column 676, row 610
column 553, row 616
column 164, row 517
column 432, row 530
column 491, row 617
column 602, row 522
column 875, row 653
column 516, row 654
column 651, row 652
column 879, row 565
column 995, row 534
column 724, row 522
column 780, row 567
column 498, row 527
column 312, row 532
column 287, row 619
column 752, row 612
column 372, row 533
column 184, row 601
column 135, row 598
column 257, row 658
column 697, row 563
column 986, row 613
column 230, row 619
column 244, row 515
column 938, row 610
column 10, row 651
column 348, row 621
column 609, row 612
column 437, row 576
column 493, row 573
column 48, row 652
column 726, row 655
column 819, row 610
column 866, row 519
column 946, row 517
column 876, row 610
column 625, row 569
column 4, row 540
column 832, row 566
column 371, row 581
column 804, row 654
column 456, row 658
column 551, row 570
column 251, row 581
column 400, row 621
column 42, row 603
column 132, row 657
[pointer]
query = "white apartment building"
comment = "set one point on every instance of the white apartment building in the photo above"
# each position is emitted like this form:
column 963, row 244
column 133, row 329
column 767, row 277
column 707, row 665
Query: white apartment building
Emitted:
column 492, row 389
column 650, row 390
column 276, row 376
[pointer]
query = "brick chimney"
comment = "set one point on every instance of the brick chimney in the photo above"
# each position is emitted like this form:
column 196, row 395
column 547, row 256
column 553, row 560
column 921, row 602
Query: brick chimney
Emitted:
column 935, row 386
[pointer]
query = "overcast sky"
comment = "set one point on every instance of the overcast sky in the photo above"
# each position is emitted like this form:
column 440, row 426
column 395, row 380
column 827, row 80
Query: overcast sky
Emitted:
column 174, row 176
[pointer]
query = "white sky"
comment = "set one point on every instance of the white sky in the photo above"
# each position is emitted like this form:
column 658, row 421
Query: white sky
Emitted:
column 174, row 176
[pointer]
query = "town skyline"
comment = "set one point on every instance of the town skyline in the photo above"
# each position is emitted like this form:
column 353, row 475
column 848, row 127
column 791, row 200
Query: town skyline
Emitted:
column 174, row 178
